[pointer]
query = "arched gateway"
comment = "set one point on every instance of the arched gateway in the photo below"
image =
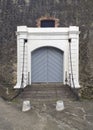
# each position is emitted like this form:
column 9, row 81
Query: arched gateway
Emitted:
column 45, row 55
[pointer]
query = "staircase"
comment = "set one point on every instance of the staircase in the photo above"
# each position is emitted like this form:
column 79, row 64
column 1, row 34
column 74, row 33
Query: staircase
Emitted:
column 47, row 93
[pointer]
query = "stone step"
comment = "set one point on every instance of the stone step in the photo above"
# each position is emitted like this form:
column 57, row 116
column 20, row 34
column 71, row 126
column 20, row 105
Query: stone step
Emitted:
column 46, row 93
column 46, row 88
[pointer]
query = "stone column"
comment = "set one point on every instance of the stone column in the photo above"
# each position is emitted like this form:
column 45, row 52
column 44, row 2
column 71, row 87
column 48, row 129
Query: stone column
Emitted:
column 74, row 61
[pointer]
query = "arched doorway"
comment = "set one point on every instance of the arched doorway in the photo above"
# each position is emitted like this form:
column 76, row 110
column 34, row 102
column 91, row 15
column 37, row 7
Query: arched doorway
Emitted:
column 47, row 65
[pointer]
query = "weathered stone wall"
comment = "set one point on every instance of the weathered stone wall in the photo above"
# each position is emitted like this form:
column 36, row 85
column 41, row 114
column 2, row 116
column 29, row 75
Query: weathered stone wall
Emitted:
column 26, row 12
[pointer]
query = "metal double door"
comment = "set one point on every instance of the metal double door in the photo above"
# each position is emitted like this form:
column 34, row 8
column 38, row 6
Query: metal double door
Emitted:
column 47, row 65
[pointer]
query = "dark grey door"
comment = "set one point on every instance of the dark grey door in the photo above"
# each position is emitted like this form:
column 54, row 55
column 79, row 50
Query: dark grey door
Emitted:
column 47, row 65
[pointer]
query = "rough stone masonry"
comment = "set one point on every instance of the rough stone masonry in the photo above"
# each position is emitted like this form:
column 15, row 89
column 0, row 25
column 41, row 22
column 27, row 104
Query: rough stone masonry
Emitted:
column 25, row 12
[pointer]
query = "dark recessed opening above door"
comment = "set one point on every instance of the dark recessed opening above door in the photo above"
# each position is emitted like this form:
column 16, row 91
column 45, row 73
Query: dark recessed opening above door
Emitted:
column 47, row 23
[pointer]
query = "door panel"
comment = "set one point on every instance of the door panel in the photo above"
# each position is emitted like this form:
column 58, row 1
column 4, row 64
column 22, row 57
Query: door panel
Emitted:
column 39, row 65
column 55, row 65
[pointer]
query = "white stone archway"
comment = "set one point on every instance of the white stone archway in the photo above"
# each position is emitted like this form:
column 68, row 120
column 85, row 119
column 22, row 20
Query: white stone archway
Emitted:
column 51, row 37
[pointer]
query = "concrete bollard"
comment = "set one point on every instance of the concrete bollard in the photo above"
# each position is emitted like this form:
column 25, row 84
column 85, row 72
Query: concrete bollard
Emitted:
column 26, row 106
column 59, row 105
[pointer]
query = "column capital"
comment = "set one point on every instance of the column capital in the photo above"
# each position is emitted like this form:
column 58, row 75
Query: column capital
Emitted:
column 74, row 32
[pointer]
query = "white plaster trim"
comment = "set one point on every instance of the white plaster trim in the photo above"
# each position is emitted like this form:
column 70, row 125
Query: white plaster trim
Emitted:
column 41, row 37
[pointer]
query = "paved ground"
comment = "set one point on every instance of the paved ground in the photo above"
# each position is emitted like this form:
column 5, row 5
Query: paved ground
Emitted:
column 76, row 116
